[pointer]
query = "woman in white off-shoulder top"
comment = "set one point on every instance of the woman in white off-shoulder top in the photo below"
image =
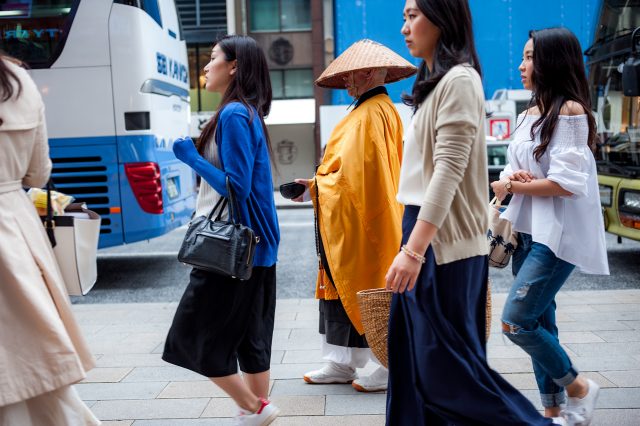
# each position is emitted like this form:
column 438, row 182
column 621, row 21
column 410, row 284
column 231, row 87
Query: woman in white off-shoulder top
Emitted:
column 556, row 211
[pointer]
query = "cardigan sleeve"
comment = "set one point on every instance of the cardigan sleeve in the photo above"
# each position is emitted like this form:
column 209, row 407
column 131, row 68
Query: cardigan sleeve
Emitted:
column 458, row 116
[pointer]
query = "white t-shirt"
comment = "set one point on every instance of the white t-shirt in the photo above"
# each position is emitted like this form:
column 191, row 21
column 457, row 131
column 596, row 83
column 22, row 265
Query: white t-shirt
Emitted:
column 572, row 227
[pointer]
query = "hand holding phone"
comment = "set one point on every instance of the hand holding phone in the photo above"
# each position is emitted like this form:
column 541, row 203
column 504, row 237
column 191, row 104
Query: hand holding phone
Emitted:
column 292, row 190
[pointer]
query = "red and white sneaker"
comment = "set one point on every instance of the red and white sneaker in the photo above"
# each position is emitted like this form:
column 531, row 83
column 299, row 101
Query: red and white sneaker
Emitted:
column 265, row 415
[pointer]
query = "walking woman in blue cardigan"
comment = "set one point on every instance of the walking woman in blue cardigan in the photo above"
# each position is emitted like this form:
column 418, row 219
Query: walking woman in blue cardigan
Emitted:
column 222, row 322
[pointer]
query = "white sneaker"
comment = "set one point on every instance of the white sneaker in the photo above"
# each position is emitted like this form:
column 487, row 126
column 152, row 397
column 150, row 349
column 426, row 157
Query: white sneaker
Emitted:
column 265, row 415
column 331, row 373
column 559, row 421
column 376, row 382
column 583, row 408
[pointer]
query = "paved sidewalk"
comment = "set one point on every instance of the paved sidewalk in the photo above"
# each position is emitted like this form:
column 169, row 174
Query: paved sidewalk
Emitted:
column 133, row 386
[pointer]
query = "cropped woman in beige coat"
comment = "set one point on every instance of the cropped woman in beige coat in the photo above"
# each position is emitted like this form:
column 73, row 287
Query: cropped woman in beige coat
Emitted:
column 42, row 351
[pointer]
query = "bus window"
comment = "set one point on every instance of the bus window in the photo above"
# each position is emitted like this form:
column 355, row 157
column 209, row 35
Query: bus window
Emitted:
column 150, row 6
column 35, row 31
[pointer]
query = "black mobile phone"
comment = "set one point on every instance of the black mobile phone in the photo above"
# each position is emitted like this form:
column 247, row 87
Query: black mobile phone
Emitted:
column 292, row 190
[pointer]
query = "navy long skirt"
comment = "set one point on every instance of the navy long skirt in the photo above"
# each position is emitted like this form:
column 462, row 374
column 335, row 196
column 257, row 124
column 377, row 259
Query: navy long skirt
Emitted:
column 438, row 371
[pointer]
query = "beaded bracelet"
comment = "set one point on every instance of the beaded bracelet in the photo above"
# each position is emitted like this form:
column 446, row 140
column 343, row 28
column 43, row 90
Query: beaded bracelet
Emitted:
column 412, row 254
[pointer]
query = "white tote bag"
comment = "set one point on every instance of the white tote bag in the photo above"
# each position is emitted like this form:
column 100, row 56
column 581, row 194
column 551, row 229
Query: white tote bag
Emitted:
column 76, row 234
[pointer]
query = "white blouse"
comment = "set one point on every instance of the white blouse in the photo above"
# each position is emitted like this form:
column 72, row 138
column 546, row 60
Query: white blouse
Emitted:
column 571, row 226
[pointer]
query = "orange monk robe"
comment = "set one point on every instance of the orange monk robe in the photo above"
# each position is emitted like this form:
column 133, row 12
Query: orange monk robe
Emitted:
column 359, row 219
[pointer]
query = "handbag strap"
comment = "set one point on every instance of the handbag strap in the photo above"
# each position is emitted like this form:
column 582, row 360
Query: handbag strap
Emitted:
column 49, row 224
column 229, row 200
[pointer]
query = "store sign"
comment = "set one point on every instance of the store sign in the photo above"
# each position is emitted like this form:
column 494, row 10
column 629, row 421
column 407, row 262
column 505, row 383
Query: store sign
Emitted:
column 30, row 34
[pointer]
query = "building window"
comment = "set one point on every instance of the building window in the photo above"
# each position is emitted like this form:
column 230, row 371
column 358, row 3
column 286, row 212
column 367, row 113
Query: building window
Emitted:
column 280, row 15
column 292, row 84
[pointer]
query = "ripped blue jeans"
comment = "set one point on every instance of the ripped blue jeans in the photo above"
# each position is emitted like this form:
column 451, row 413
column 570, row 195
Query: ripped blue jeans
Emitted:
column 529, row 316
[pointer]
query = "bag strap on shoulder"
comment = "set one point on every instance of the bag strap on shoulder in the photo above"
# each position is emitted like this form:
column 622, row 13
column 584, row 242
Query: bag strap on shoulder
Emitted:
column 49, row 223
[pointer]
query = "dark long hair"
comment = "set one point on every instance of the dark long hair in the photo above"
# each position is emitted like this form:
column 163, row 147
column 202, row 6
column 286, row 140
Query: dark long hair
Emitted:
column 455, row 46
column 250, row 85
column 7, row 89
column 558, row 76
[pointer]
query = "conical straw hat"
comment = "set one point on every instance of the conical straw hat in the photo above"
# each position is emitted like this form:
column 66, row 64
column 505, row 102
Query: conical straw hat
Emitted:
column 362, row 55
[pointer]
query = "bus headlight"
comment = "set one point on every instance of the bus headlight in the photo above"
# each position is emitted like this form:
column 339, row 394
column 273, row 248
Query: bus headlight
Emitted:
column 629, row 209
column 631, row 201
column 605, row 195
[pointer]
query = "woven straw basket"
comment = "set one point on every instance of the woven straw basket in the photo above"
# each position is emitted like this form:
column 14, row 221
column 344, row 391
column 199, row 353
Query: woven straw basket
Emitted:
column 375, row 305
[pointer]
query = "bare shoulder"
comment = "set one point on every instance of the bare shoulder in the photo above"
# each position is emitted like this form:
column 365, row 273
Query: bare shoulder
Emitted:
column 572, row 108
column 533, row 111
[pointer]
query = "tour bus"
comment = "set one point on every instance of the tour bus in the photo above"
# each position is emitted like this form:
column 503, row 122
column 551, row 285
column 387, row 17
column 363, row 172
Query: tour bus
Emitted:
column 113, row 76
column 614, row 82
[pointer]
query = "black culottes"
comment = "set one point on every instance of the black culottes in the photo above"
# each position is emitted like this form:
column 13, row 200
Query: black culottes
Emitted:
column 222, row 322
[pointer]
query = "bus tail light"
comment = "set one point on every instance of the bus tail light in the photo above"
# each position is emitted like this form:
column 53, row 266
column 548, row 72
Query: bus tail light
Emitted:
column 145, row 182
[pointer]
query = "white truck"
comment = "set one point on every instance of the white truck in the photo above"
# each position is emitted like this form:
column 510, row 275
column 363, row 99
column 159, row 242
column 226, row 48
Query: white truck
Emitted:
column 503, row 109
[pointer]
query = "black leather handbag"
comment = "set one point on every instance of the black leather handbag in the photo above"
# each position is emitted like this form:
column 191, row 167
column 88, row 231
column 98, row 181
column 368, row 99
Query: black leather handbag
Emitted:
column 225, row 247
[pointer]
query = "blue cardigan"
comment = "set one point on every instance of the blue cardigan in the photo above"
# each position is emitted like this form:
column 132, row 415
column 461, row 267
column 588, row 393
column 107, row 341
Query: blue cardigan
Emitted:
column 244, row 157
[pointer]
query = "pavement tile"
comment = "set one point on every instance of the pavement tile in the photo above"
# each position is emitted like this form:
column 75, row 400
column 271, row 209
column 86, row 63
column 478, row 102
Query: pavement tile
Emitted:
column 302, row 356
column 107, row 374
column 161, row 374
column 616, row 417
column 303, row 333
column 131, row 360
column 619, row 398
column 602, row 381
column 220, row 407
column 607, row 316
column 330, row 421
column 618, row 307
column 293, row 371
column 511, row 365
column 113, row 391
column 297, row 405
column 624, row 379
column 310, row 324
column 606, row 363
column 192, row 389
column 300, row 387
column 150, row 409
column 593, row 325
column 277, row 356
column 285, row 316
column 343, row 405
column 297, row 343
column 633, row 325
column 503, row 351
column 521, row 380
column 619, row 336
column 580, row 337
column 597, row 349
column 307, row 315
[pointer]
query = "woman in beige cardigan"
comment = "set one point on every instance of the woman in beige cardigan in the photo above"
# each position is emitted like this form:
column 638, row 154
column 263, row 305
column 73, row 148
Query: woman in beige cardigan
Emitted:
column 438, row 371
column 42, row 351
